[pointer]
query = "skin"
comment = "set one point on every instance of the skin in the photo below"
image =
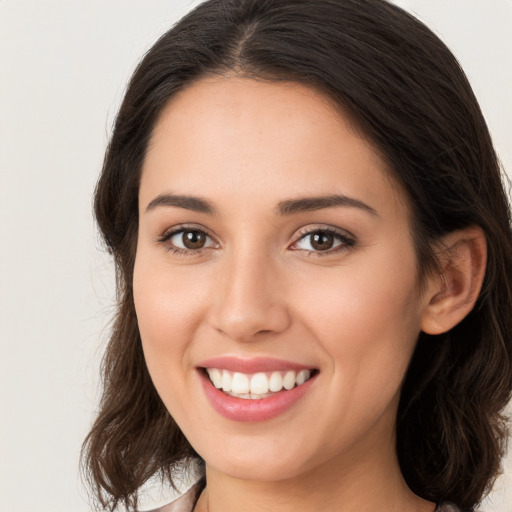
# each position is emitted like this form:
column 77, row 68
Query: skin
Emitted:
column 258, row 288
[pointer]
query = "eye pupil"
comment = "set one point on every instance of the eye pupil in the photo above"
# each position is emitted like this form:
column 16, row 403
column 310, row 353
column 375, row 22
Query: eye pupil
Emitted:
column 322, row 241
column 193, row 239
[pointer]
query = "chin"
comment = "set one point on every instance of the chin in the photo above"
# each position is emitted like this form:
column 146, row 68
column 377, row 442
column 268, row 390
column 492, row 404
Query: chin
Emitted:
column 258, row 470
column 268, row 460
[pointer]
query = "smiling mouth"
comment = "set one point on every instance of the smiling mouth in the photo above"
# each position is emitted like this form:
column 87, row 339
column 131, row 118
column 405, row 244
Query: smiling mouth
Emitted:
column 257, row 386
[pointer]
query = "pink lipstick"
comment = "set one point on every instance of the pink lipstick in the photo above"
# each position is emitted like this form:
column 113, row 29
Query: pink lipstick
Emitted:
column 251, row 390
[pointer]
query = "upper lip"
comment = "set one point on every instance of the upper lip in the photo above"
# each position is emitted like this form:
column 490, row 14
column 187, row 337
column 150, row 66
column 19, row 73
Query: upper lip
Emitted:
column 252, row 365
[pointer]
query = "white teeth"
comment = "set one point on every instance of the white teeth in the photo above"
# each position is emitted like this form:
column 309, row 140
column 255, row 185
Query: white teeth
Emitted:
column 289, row 380
column 249, row 396
column 275, row 382
column 257, row 385
column 302, row 377
column 226, row 380
column 246, row 396
column 215, row 377
column 240, row 383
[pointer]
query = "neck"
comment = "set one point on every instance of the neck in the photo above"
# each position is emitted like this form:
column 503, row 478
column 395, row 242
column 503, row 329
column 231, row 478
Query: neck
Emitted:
column 356, row 483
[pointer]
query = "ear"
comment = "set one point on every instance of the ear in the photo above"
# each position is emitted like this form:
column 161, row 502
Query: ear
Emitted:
column 452, row 294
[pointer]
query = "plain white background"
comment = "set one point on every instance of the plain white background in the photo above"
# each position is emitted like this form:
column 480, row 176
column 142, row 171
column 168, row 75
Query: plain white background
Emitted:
column 63, row 68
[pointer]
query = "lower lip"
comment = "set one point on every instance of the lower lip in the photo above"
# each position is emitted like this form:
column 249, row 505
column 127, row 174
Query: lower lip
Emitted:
column 246, row 410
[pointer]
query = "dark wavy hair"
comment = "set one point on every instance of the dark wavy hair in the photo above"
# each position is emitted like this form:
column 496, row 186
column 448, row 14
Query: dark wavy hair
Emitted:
column 406, row 93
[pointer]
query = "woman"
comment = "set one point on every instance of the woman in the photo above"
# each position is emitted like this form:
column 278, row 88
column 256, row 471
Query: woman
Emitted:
column 313, row 252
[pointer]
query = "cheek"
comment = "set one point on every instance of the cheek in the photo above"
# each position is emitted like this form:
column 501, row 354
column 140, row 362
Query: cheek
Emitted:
column 166, row 304
column 167, row 299
column 368, row 320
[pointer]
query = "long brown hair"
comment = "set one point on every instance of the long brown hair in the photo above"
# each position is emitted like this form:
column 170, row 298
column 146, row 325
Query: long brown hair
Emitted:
column 406, row 92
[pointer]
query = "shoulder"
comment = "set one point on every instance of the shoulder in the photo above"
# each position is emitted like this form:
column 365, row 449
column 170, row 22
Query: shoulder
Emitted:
column 185, row 503
column 447, row 507
column 450, row 507
column 160, row 495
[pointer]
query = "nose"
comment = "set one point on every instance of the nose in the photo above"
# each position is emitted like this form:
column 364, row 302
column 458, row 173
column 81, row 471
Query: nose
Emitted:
column 250, row 299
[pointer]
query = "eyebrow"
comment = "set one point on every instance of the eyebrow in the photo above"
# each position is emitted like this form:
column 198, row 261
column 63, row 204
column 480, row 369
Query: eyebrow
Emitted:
column 193, row 203
column 308, row 204
column 288, row 207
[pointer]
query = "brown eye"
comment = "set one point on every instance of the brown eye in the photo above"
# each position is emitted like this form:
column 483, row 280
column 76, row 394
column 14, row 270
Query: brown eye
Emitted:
column 187, row 240
column 193, row 239
column 321, row 241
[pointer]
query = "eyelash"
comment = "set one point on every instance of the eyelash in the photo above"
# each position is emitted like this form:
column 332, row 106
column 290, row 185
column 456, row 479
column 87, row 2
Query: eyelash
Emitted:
column 346, row 241
column 167, row 236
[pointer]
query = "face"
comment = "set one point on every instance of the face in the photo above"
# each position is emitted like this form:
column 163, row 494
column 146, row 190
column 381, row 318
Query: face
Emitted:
column 275, row 280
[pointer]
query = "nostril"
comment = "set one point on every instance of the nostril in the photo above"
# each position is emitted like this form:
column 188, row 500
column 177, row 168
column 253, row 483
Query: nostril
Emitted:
column 245, row 312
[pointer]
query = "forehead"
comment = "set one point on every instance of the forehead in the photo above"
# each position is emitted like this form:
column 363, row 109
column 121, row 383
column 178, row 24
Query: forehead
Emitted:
column 270, row 140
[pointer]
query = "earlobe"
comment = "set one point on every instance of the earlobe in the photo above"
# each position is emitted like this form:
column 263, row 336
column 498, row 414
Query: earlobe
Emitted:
column 453, row 294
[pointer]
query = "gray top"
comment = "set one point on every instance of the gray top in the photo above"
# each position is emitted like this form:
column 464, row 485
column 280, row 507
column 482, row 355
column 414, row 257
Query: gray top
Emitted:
column 185, row 503
column 447, row 507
